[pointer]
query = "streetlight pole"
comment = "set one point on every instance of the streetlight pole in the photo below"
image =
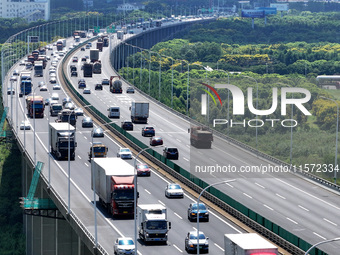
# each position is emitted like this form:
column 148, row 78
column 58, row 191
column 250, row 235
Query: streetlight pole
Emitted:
column 197, row 214
column 322, row 242
column 336, row 135
column 69, row 167
column 135, row 196
column 35, row 152
column 187, row 86
column 257, row 103
column 172, row 79
column 160, row 72
column 291, row 130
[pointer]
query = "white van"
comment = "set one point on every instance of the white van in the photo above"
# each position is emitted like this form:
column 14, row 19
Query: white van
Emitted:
column 55, row 96
column 114, row 112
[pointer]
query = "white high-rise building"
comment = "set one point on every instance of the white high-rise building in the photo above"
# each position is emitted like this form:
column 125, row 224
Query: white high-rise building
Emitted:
column 31, row 11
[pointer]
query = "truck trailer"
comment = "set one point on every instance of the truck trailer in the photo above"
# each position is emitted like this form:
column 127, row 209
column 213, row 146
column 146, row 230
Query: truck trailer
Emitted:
column 115, row 84
column 62, row 137
column 201, row 137
column 120, row 34
column 94, row 55
column 38, row 68
column 114, row 185
column 61, row 43
column 35, row 106
column 153, row 225
column 100, row 46
column 88, row 69
column 139, row 112
column 25, row 83
column 97, row 67
column 248, row 244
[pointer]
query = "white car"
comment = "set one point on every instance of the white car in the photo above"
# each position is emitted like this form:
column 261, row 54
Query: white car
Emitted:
column 56, row 87
column 173, row 190
column 13, row 78
column 55, row 96
column 124, row 245
column 87, row 91
column 79, row 111
column 124, row 153
column 25, row 125
column 53, row 80
column 52, row 71
column 43, row 88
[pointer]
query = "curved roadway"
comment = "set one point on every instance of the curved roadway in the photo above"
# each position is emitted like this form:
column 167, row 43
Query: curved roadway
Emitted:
column 306, row 209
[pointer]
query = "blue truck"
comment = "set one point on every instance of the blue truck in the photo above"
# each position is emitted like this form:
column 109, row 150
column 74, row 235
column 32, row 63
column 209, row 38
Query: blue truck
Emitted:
column 25, row 83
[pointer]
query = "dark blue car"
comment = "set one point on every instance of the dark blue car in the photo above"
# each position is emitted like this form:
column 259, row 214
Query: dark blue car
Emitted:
column 202, row 212
column 148, row 131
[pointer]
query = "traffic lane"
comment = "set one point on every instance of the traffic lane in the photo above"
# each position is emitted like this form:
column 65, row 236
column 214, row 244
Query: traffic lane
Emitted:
column 179, row 227
column 281, row 209
column 120, row 99
column 217, row 225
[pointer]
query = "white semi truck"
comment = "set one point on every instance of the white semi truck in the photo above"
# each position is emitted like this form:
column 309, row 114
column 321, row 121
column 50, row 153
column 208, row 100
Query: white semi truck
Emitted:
column 139, row 112
column 62, row 137
column 247, row 244
column 114, row 185
column 38, row 68
column 153, row 225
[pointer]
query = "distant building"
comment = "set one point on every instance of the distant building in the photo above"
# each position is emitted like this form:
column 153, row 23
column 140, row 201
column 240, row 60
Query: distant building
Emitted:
column 130, row 7
column 88, row 3
column 31, row 11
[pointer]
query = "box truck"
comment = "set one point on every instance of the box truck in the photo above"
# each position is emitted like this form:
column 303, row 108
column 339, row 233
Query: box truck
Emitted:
column 114, row 185
column 139, row 112
column 153, row 224
column 62, row 138
column 248, row 244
